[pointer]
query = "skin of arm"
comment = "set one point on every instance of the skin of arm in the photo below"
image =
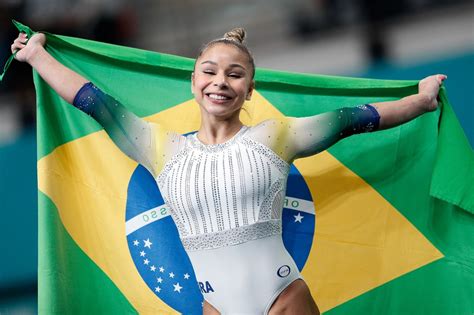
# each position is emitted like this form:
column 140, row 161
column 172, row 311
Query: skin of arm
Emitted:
column 394, row 113
column 62, row 79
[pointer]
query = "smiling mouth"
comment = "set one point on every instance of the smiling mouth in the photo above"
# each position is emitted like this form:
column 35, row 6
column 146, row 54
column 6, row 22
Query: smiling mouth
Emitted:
column 218, row 97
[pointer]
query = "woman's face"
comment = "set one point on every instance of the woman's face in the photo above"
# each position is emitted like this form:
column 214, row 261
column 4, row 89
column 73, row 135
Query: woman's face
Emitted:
column 222, row 81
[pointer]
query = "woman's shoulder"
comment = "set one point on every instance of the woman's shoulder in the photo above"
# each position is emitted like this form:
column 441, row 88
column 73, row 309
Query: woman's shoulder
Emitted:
column 272, row 133
column 166, row 143
column 269, row 127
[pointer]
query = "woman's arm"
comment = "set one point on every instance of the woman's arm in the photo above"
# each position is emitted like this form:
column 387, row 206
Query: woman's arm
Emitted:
column 137, row 138
column 293, row 138
column 317, row 133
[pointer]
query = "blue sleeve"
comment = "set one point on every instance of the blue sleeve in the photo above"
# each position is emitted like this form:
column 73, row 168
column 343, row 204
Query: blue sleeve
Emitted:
column 309, row 135
column 363, row 118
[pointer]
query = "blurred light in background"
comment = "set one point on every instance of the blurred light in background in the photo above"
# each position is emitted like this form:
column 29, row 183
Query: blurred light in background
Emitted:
column 391, row 39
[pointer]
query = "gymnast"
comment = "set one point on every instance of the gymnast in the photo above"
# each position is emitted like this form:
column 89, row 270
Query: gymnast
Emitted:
column 226, row 183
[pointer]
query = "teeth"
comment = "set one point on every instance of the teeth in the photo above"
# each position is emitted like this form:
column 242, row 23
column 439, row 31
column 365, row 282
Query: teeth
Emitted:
column 218, row 97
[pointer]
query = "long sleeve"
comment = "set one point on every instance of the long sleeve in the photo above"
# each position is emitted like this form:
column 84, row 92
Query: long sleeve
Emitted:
column 293, row 138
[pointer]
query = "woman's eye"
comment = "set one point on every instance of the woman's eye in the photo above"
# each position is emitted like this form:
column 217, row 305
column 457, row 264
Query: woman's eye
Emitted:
column 208, row 72
column 235, row 75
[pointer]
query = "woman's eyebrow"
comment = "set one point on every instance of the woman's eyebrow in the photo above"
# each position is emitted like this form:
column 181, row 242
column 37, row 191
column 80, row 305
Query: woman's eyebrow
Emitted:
column 208, row 61
column 237, row 65
column 232, row 65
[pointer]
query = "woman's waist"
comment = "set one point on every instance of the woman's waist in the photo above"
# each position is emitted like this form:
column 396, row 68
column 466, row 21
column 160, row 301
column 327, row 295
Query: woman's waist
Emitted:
column 265, row 251
column 265, row 258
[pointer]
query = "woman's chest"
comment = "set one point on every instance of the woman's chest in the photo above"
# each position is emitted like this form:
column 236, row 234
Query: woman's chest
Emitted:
column 222, row 188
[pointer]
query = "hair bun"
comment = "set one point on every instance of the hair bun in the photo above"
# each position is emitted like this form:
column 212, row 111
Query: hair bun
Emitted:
column 237, row 34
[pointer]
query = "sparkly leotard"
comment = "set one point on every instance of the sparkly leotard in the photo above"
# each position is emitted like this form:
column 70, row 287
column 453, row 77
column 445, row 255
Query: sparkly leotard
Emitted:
column 226, row 199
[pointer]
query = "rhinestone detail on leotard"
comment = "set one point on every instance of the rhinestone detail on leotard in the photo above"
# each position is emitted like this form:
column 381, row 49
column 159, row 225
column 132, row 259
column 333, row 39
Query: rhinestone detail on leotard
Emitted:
column 228, row 193
column 234, row 236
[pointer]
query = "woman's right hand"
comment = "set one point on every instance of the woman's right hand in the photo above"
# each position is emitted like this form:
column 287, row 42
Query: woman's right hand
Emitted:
column 26, row 51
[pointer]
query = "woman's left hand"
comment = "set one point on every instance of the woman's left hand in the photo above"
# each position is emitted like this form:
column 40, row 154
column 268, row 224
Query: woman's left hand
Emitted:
column 429, row 87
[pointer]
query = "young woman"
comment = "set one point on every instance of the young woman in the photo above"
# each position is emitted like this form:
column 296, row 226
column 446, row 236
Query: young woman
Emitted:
column 226, row 183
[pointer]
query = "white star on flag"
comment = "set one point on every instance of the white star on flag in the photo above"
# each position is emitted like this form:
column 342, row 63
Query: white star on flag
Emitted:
column 162, row 269
column 298, row 217
column 147, row 243
column 186, row 276
column 146, row 261
column 159, row 280
column 171, row 275
column 157, row 289
column 153, row 268
column 136, row 242
column 177, row 287
column 142, row 253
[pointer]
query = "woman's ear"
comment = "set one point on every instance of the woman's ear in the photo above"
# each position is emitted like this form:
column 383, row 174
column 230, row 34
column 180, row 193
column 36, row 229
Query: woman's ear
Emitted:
column 192, row 82
column 250, row 91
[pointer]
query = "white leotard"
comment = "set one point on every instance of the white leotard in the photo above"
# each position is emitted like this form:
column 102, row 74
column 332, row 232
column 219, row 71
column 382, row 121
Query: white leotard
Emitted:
column 226, row 201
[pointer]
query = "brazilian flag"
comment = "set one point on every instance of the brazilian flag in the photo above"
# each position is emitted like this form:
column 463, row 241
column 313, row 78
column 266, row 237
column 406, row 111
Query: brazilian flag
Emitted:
column 381, row 223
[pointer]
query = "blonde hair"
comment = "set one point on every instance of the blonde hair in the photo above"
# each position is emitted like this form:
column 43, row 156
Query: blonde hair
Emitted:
column 237, row 34
column 234, row 37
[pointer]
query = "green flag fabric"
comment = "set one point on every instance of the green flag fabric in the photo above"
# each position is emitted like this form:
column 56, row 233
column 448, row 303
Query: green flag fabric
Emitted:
column 385, row 220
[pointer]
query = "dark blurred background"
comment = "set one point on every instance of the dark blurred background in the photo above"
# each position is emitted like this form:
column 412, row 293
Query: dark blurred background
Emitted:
column 391, row 39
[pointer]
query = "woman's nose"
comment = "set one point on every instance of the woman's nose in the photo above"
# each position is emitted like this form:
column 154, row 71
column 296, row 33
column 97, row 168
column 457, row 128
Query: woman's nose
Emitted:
column 220, row 81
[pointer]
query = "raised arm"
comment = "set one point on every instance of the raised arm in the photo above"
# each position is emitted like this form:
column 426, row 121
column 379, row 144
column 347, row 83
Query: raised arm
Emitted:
column 137, row 138
column 293, row 138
